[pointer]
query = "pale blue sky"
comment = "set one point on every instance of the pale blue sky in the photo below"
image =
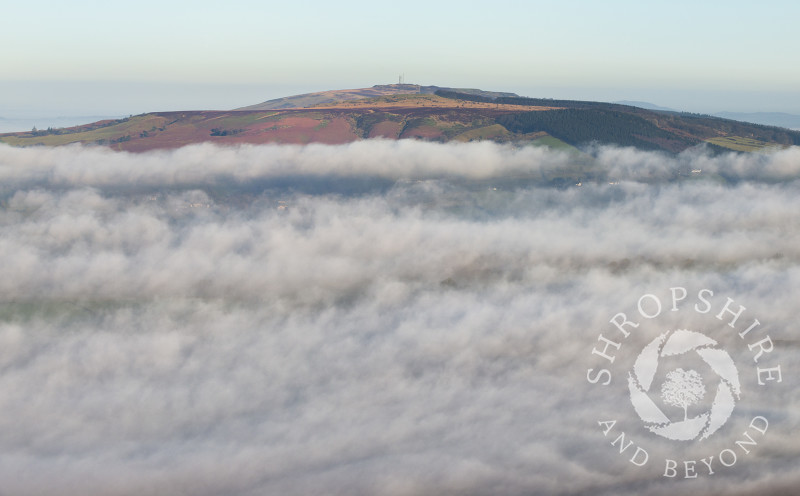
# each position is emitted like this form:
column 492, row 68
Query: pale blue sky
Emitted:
column 108, row 57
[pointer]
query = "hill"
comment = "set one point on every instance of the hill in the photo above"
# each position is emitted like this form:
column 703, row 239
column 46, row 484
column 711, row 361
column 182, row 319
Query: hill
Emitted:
column 428, row 113
column 334, row 96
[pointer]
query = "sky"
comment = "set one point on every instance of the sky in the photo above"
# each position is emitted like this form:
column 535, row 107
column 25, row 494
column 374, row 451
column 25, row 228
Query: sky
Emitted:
column 393, row 318
column 108, row 58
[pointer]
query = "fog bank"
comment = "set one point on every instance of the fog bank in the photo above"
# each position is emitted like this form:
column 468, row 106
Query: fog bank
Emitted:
column 247, row 321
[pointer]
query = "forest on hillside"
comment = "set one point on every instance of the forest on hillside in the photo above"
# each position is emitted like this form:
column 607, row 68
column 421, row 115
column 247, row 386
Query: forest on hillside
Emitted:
column 578, row 122
column 579, row 126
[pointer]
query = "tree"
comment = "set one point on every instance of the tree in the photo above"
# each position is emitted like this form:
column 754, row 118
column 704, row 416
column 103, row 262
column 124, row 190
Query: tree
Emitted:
column 682, row 389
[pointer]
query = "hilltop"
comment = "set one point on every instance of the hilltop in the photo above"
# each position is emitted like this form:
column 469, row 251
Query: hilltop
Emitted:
column 336, row 96
column 419, row 112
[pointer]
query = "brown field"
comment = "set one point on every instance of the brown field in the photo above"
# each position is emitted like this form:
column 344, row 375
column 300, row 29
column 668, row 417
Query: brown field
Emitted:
column 289, row 130
column 423, row 132
column 404, row 102
column 386, row 129
column 302, row 130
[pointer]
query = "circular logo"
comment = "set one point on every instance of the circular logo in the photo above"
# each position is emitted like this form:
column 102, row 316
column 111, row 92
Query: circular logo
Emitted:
column 683, row 388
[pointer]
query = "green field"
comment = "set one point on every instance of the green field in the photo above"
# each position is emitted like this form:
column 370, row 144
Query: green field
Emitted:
column 130, row 127
column 482, row 133
column 553, row 143
column 741, row 144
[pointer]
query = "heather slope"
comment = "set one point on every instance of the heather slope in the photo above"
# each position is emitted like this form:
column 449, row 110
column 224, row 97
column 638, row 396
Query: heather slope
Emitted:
column 420, row 112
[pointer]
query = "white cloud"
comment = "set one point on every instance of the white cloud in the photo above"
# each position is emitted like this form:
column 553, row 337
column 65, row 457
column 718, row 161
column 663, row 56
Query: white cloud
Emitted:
column 428, row 335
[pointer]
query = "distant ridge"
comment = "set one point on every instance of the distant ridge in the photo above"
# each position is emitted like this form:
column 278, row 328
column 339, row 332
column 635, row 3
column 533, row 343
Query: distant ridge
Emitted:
column 645, row 105
column 326, row 97
column 780, row 119
column 24, row 123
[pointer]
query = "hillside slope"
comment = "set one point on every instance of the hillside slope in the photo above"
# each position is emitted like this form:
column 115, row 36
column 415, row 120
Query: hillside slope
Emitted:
column 444, row 115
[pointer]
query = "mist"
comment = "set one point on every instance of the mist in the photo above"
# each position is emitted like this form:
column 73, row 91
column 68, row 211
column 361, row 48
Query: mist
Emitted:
column 382, row 318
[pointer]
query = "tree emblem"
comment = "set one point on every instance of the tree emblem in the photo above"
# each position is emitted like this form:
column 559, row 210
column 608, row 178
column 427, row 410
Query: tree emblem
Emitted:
column 683, row 388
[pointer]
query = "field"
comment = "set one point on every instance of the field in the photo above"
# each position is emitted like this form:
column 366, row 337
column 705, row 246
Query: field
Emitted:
column 482, row 133
column 423, row 101
column 553, row 143
column 110, row 134
column 741, row 144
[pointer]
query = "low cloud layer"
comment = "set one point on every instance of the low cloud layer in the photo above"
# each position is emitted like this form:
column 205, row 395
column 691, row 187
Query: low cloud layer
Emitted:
column 207, row 164
column 245, row 321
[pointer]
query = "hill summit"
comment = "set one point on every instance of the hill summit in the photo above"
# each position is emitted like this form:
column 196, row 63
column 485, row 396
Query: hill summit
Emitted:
column 379, row 90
